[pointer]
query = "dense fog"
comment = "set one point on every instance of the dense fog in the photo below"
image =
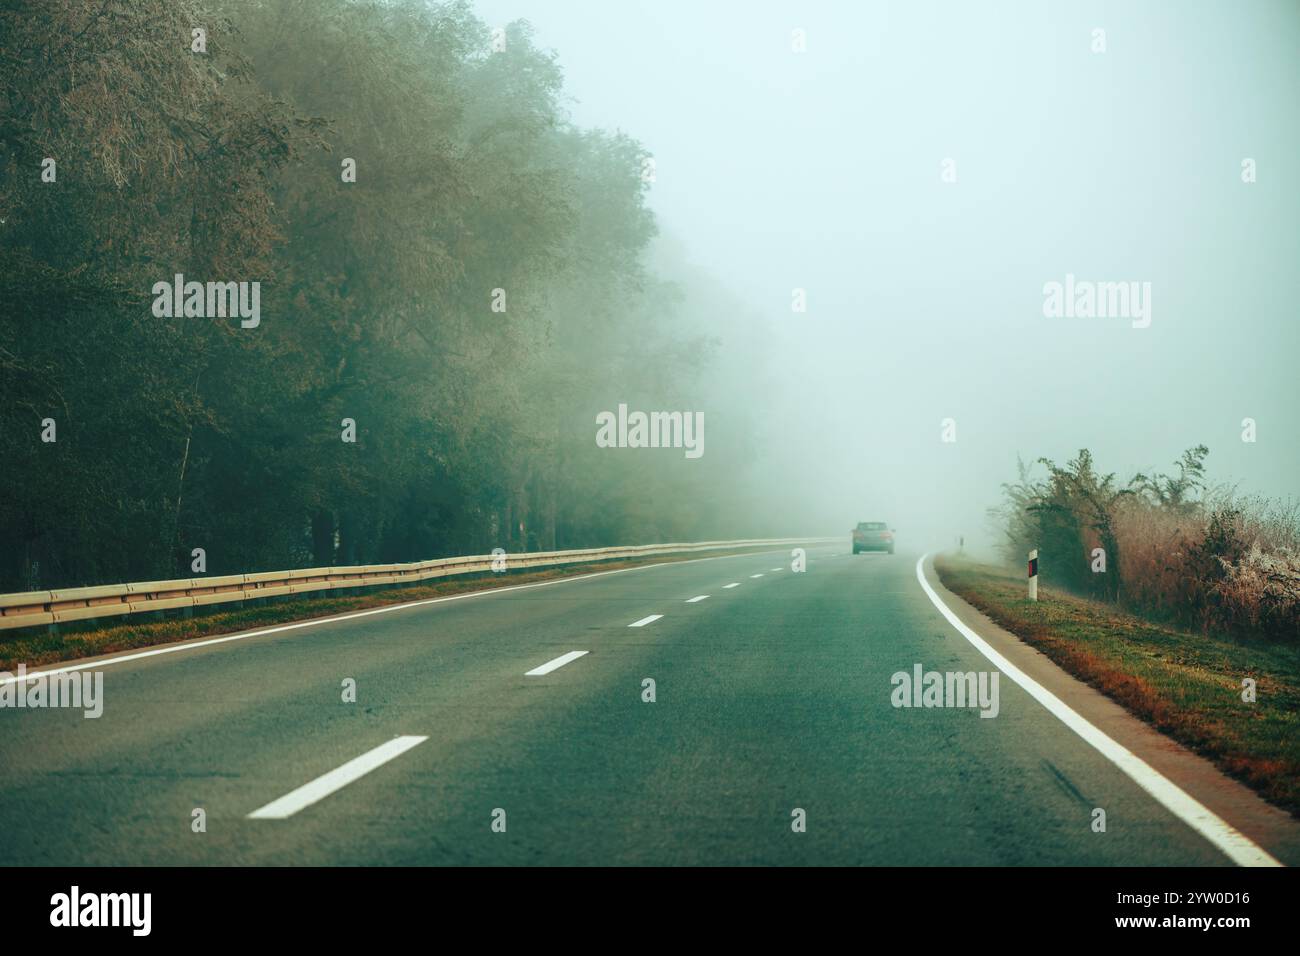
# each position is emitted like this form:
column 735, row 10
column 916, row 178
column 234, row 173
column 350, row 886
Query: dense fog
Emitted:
column 821, row 238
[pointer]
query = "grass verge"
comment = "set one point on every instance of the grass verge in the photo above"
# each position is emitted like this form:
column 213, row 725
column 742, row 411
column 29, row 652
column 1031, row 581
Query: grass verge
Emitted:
column 34, row 646
column 1187, row 685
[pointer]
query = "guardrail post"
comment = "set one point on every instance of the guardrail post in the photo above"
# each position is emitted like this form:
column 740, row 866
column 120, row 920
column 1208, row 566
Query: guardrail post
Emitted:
column 1033, row 575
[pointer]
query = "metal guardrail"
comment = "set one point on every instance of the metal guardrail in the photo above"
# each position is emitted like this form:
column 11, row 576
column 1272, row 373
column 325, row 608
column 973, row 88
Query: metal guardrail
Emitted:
column 35, row 608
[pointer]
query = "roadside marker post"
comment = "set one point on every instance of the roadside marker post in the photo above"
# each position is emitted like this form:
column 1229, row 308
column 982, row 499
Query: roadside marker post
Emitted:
column 1033, row 575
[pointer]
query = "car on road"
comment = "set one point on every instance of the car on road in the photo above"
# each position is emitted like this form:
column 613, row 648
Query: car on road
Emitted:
column 873, row 536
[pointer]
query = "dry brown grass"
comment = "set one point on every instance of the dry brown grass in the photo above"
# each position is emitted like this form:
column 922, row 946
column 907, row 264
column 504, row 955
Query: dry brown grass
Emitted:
column 1154, row 546
column 1239, row 576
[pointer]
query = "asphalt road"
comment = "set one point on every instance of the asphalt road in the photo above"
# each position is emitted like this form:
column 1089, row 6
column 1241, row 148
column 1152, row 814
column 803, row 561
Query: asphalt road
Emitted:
column 771, row 696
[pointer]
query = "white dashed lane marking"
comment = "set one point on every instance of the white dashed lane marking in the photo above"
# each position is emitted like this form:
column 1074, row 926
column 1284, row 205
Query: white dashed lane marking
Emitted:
column 553, row 665
column 336, row 779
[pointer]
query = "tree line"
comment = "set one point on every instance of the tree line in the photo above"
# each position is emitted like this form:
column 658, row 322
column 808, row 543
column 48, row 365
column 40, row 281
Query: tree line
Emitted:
column 444, row 259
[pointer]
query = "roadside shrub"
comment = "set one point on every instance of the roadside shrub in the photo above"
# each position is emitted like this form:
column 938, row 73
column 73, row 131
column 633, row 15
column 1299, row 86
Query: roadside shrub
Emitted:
column 1174, row 550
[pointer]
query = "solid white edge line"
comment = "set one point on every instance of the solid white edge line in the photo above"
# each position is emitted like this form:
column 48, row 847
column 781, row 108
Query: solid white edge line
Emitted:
column 555, row 664
column 696, row 599
column 314, row 622
column 336, row 779
column 1230, row 841
column 646, row 620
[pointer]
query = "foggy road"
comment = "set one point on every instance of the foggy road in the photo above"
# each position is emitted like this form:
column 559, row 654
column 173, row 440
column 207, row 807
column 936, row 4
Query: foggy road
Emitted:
column 526, row 708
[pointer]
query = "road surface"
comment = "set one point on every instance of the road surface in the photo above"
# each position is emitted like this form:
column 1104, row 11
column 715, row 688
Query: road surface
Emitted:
column 772, row 695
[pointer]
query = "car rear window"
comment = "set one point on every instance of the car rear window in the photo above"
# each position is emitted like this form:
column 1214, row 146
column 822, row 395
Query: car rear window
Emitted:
column 871, row 526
